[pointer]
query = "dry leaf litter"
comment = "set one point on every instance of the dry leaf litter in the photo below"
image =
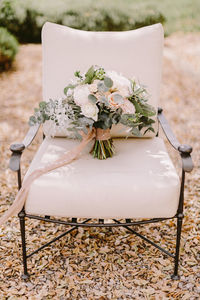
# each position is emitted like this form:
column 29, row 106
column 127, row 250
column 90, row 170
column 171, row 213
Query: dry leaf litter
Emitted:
column 92, row 263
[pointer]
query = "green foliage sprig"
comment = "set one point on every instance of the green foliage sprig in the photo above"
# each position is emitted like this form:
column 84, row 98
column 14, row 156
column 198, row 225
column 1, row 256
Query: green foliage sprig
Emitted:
column 8, row 48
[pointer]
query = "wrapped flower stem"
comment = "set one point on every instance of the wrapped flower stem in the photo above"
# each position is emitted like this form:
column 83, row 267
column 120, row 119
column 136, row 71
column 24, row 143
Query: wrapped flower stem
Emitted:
column 103, row 146
column 103, row 149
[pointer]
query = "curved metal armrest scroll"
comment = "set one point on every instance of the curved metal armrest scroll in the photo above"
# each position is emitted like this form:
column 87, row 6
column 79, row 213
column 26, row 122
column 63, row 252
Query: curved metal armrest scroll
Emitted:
column 18, row 148
column 184, row 150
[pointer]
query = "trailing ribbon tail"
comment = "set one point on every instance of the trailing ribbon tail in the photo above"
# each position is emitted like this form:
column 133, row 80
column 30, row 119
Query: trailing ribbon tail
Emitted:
column 65, row 159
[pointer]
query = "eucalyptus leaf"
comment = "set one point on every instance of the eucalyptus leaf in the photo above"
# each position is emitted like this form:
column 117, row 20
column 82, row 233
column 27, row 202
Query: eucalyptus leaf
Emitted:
column 46, row 117
column 135, row 131
column 32, row 121
column 115, row 117
column 92, row 98
column 108, row 82
column 42, row 104
column 86, row 121
column 104, row 100
column 104, row 122
column 101, row 87
column 118, row 99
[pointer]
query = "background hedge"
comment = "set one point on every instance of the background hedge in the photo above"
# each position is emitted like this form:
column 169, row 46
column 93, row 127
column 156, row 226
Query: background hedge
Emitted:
column 24, row 18
column 8, row 48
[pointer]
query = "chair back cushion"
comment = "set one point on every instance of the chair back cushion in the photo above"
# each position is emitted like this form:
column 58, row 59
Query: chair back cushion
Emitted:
column 135, row 53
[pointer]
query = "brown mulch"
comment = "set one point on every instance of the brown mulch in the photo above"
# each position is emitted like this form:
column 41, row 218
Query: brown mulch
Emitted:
column 106, row 264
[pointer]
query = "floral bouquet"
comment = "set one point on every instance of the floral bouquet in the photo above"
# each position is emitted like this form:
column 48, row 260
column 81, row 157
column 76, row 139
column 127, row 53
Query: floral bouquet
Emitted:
column 96, row 100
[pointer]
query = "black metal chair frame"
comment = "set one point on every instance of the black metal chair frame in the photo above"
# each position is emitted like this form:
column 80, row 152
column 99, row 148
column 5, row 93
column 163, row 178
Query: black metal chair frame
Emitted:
column 187, row 166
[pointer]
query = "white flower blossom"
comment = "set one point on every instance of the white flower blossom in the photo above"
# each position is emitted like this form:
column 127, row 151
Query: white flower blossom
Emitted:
column 93, row 86
column 81, row 93
column 128, row 107
column 120, row 83
column 90, row 110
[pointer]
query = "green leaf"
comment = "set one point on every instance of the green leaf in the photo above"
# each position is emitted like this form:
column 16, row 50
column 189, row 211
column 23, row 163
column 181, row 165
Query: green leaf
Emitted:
column 90, row 74
column 70, row 86
column 133, row 83
column 118, row 99
column 104, row 121
column 92, row 98
column 78, row 74
column 108, row 82
column 147, row 121
column 115, row 117
column 104, row 100
column 46, row 117
column 86, row 121
column 143, row 108
column 148, row 110
column 101, row 87
column 149, row 129
column 42, row 104
column 135, row 131
column 32, row 121
column 138, row 108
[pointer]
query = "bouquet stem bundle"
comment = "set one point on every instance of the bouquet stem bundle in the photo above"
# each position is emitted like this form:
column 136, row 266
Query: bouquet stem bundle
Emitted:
column 103, row 149
column 103, row 146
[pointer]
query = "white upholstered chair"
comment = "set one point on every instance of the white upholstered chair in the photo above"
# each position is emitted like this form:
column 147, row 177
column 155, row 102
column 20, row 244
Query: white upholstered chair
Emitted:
column 139, row 181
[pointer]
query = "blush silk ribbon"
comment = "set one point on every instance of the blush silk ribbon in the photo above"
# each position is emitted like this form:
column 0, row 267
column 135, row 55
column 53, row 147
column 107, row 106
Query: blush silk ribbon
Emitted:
column 65, row 159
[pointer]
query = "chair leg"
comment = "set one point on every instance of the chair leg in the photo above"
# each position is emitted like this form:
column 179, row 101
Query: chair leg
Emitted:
column 23, row 238
column 175, row 275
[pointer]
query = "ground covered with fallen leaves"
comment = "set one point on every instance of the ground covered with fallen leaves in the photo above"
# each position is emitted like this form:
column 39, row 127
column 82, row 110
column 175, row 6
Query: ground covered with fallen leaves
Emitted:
column 92, row 263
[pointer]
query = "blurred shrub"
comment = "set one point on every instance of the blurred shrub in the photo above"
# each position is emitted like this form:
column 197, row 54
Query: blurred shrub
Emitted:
column 8, row 48
column 25, row 18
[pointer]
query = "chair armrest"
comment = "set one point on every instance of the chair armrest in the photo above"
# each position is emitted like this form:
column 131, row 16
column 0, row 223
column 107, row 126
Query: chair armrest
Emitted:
column 184, row 150
column 18, row 148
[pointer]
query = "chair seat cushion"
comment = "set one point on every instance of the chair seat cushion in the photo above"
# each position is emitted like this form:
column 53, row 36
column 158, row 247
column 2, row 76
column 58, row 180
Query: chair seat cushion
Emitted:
column 139, row 181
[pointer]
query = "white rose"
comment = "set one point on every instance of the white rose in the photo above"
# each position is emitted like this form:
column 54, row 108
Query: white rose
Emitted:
column 90, row 110
column 128, row 107
column 81, row 93
column 124, row 91
column 121, row 83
